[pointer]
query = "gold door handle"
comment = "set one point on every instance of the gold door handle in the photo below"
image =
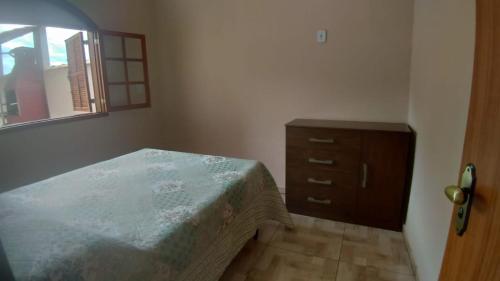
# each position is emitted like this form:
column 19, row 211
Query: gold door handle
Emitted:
column 455, row 194
column 462, row 196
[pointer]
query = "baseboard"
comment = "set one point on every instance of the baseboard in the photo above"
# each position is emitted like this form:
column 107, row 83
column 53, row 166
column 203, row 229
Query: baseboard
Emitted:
column 410, row 253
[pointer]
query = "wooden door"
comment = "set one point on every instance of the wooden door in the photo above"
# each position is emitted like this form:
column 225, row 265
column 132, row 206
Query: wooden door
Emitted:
column 476, row 254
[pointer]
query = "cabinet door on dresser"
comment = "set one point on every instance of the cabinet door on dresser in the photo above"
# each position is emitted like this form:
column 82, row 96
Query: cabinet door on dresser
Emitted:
column 384, row 168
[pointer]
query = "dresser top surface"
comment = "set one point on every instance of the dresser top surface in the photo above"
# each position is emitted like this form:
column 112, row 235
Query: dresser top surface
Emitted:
column 349, row 125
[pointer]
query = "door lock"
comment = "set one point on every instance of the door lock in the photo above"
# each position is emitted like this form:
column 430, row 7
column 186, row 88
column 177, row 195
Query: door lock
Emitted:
column 462, row 196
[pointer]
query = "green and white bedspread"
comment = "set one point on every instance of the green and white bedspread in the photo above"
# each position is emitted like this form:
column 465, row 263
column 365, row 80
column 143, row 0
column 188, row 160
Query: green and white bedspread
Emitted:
column 148, row 215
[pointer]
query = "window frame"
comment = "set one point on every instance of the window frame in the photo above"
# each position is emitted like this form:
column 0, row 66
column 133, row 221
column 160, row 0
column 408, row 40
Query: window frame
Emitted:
column 99, row 81
column 99, row 93
column 144, row 60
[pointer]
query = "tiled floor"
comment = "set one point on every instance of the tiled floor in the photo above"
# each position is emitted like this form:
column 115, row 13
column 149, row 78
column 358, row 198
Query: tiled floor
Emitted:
column 322, row 250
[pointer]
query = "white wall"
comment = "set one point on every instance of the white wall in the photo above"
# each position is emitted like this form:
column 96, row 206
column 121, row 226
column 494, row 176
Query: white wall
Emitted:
column 37, row 153
column 58, row 91
column 235, row 71
column 441, row 74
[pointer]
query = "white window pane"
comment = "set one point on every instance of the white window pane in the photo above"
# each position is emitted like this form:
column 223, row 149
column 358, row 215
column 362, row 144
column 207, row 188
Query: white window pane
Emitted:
column 118, row 95
column 56, row 43
column 135, row 71
column 115, row 71
column 133, row 47
column 87, row 53
column 8, row 61
column 8, row 27
column 137, row 93
column 8, row 64
column 113, row 46
column 21, row 41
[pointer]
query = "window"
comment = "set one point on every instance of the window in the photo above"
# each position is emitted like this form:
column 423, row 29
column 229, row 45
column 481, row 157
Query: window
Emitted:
column 124, row 58
column 50, row 72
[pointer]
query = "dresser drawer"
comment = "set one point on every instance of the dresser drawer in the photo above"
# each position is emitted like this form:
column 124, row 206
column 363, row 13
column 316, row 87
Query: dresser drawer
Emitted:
column 323, row 138
column 320, row 202
column 310, row 178
column 332, row 160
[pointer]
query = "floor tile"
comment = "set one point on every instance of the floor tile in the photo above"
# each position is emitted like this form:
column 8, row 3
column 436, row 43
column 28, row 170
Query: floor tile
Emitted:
column 282, row 265
column 351, row 272
column 244, row 261
column 311, row 252
column 374, row 247
column 311, row 236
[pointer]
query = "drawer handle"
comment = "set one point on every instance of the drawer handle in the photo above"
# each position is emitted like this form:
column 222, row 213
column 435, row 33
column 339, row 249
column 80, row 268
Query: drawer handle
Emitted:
column 325, row 182
column 364, row 180
column 321, row 140
column 317, row 201
column 324, row 162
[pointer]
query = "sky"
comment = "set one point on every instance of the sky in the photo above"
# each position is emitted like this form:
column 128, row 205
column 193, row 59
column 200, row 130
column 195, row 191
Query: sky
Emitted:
column 26, row 40
column 55, row 40
column 57, row 46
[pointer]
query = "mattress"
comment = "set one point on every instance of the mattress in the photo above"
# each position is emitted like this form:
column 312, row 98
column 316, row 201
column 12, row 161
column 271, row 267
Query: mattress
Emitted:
column 148, row 215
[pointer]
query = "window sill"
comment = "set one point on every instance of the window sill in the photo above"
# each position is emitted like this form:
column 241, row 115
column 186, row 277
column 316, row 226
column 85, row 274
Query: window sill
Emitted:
column 48, row 122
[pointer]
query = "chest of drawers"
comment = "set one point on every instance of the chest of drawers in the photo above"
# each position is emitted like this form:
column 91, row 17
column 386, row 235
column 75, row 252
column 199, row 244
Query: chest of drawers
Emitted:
column 355, row 172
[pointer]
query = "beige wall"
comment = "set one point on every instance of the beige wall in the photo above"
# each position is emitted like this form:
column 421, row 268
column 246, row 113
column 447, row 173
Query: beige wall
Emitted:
column 441, row 72
column 34, row 154
column 236, row 71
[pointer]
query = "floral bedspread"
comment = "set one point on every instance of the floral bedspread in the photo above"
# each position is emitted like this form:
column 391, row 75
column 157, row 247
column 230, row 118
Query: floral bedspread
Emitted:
column 148, row 215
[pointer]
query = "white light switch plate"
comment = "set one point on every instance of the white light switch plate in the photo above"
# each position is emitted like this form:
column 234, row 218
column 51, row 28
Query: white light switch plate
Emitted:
column 321, row 36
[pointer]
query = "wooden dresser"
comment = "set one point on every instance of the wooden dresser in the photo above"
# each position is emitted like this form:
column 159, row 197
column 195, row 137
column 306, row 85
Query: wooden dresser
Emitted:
column 356, row 172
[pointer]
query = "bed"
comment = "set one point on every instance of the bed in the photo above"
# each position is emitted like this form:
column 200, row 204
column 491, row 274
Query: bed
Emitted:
column 148, row 215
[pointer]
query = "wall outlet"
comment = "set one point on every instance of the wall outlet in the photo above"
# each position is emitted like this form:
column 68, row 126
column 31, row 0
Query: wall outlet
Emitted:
column 321, row 36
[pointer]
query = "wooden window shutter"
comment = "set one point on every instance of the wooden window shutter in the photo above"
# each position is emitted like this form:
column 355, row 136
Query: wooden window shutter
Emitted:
column 77, row 73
